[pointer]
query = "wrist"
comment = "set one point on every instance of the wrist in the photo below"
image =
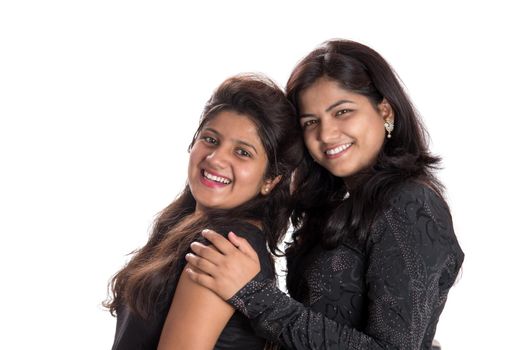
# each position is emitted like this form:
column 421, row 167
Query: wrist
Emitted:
column 246, row 300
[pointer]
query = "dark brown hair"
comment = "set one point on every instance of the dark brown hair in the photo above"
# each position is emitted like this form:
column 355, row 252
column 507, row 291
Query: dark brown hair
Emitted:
column 144, row 281
column 324, row 214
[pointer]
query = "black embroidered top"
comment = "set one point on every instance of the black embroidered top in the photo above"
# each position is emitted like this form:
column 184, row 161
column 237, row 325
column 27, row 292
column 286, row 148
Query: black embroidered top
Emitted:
column 133, row 332
column 387, row 296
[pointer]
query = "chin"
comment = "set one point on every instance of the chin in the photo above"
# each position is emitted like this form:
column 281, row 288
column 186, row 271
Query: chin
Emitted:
column 215, row 206
column 343, row 173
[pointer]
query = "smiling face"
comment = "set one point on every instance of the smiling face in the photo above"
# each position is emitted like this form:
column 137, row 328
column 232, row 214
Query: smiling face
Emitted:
column 343, row 131
column 227, row 162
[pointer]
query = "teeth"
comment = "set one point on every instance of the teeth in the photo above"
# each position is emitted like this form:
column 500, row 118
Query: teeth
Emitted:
column 216, row 178
column 338, row 149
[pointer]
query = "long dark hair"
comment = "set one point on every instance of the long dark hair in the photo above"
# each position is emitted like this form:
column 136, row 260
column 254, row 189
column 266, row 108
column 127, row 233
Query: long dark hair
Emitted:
column 144, row 282
column 326, row 213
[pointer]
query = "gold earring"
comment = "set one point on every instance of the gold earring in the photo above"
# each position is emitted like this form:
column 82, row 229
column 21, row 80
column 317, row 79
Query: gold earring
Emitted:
column 389, row 127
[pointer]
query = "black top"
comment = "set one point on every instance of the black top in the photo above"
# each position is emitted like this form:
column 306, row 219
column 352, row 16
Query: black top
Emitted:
column 388, row 295
column 133, row 332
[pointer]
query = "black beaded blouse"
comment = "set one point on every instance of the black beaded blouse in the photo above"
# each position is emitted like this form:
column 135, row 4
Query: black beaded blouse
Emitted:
column 388, row 295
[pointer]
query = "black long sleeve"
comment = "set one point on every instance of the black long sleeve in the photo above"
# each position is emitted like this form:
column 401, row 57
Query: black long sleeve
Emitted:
column 412, row 258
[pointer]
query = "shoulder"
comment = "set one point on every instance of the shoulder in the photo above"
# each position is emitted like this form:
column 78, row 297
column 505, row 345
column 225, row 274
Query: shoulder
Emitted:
column 416, row 221
column 254, row 235
column 414, row 235
column 418, row 194
column 244, row 229
column 413, row 204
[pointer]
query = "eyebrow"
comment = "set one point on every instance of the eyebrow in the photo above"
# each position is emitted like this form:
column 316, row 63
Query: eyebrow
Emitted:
column 247, row 144
column 336, row 104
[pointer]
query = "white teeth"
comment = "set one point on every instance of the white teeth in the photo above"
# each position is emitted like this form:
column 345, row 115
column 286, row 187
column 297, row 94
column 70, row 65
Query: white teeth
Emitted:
column 338, row 149
column 216, row 178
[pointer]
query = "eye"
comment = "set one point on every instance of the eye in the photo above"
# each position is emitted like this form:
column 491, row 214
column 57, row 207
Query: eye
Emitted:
column 210, row 140
column 309, row 122
column 243, row 153
column 343, row 111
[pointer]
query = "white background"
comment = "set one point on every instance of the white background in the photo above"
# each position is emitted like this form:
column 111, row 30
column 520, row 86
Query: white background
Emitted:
column 99, row 100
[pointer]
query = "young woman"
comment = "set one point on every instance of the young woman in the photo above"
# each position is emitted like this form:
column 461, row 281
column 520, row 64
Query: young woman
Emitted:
column 241, row 159
column 374, row 253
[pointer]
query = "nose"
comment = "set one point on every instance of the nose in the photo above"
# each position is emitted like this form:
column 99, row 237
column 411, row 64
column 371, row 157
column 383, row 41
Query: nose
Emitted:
column 218, row 158
column 328, row 131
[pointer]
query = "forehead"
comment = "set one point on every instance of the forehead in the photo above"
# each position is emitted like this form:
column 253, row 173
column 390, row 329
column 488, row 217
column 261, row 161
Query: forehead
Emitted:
column 323, row 93
column 233, row 125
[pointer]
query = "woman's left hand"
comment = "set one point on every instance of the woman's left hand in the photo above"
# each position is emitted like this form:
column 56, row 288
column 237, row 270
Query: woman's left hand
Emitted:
column 225, row 267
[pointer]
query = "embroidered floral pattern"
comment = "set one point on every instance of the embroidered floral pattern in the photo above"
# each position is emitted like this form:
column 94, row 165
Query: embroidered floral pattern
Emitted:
column 388, row 297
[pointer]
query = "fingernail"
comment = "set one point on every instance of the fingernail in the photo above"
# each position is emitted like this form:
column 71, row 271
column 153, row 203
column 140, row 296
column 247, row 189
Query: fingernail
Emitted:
column 204, row 231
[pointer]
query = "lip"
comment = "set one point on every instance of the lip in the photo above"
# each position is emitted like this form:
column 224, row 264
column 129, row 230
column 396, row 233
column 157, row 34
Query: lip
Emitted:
column 210, row 183
column 343, row 148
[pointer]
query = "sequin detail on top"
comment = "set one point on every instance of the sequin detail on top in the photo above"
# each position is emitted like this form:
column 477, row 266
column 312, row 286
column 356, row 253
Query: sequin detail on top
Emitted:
column 238, row 301
column 334, row 284
column 404, row 274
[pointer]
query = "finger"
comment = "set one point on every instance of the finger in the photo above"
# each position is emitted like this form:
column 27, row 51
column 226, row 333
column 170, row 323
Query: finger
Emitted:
column 214, row 248
column 206, row 252
column 195, row 269
column 200, row 278
column 203, row 265
column 219, row 241
column 242, row 244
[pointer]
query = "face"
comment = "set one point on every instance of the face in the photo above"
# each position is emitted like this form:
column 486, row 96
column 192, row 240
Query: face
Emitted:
column 343, row 131
column 227, row 163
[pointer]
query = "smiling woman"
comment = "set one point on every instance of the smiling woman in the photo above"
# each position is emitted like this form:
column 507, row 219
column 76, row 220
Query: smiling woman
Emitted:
column 343, row 130
column 232, row 185
column 227, row 163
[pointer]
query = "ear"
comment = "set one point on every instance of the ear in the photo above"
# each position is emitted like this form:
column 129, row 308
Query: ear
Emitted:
column 269, row 184
column 385, row 110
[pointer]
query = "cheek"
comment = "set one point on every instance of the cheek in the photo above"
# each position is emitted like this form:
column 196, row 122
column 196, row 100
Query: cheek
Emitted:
column 309, row 141
column 196, row 155
column 250, row 175
column 375, row 137
column 247, row 174
column 192, row 162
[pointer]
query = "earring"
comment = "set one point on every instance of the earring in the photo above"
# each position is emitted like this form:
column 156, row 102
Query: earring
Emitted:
column 389, row 127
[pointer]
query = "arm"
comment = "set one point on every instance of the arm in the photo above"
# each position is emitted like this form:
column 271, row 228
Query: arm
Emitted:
column 413, row 261
column 196, row 317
